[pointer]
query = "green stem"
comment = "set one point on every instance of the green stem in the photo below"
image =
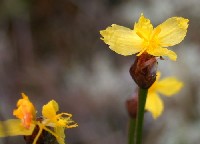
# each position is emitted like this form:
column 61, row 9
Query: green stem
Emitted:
column 140, row 114
column 131, row 134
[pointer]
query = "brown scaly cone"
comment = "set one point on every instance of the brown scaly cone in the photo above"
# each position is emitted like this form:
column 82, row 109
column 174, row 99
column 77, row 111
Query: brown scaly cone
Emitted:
column 143, row 71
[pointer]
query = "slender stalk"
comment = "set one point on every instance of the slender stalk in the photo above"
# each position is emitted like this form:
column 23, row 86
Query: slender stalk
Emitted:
column 131, row 134
column 140, row 114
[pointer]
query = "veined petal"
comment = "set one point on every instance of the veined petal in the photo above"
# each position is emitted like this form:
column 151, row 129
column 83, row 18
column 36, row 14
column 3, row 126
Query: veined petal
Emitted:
column 173, row 31
column 143, row 28
column 122, row 40
column 13, row 127
column 162, row 52
column 154, row 104
column 49, row 110
column 61, row 134
column 169, row 86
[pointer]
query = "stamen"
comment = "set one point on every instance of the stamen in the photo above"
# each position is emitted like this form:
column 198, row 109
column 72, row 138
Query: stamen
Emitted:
column 141, row 36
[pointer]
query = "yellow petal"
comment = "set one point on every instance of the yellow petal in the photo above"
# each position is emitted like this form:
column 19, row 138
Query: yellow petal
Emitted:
column 25, row 111
column 13, row 127
column 154, row 104
column 49, row 110
column 169, row 86
column 173, row 31
column 162, row 52
column 158, row 75
column 143, row 28
column 61, row 134
column 154, row 88
column 122, row 40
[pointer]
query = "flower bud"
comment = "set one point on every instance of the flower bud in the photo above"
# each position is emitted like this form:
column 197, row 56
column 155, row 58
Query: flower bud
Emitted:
column 131, row 105
column 143, row 71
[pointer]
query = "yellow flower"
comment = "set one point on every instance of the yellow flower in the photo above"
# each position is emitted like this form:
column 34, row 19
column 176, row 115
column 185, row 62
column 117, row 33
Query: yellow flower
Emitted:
column 57, row 121
column 25, row 111
column 27, row 121
column 168, row 87
column 24, row 125
column 145, row 38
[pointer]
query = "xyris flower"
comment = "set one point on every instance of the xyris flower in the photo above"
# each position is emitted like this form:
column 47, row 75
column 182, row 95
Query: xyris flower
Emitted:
column 24, row 125
column 145, row 38
column 57, row 121
column 168, row 87
column 25, row 111
column 27, row 124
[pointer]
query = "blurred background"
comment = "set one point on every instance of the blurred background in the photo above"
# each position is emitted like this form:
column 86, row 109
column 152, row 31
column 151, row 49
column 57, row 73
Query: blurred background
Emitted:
column 52, row 50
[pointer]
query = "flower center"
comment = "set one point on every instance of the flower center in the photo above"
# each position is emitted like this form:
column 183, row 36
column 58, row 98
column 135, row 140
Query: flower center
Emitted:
column 151, row 41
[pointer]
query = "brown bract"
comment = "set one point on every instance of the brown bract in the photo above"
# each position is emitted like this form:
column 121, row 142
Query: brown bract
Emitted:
column 143, row 71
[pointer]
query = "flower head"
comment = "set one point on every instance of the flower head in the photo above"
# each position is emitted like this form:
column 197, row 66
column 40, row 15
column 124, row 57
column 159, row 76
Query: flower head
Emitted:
column 168, row 87
column 24, row 125
column 145, row 38
column 25, row 111
column 58, row 121
column 30, row 126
